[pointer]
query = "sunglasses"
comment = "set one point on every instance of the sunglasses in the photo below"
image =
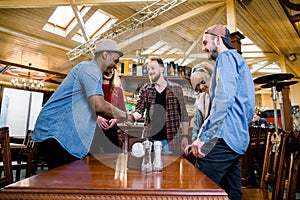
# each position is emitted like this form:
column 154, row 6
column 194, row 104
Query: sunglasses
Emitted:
column 199, row 69
column 207, row 32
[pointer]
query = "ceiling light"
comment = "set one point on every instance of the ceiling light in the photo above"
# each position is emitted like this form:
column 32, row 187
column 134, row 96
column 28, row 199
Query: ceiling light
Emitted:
column 27, row 83
column 292, row 57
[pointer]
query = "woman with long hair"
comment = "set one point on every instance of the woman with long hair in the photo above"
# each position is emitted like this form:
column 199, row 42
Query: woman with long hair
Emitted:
column 109, row 141
column 200, row 80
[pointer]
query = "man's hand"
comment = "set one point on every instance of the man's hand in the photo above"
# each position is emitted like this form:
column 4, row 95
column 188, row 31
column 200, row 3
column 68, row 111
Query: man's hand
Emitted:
column 188, row 149
column 196, row 148
column 130, row 119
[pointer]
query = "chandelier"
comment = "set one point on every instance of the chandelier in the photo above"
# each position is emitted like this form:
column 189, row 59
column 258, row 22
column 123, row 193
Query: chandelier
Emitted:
column 27, row 83
column 27, row 80
column 141, row 58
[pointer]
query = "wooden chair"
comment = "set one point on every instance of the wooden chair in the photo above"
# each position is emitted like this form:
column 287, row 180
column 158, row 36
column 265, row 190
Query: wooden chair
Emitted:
column 27, row 158
column 288, row 166
column 270, row 166
column 16, row 166
column 255, row 154
column 6, row 157
column 280, row 171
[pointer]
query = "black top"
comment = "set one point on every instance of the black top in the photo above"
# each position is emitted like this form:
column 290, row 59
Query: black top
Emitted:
column 158, row 123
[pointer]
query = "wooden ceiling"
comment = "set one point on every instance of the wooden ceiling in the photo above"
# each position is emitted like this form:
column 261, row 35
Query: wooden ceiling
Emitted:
column 268, row 23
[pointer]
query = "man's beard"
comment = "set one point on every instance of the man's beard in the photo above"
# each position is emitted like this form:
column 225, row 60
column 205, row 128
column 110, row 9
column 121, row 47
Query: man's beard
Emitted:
column 155, row 78
column 214, row 54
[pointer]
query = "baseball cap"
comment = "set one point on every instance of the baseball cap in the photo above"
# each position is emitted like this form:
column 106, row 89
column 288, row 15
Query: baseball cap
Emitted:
column 108, row 45
column 223, row 32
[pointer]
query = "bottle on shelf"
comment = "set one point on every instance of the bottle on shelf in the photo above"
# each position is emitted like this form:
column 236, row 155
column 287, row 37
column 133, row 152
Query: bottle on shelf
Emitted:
column 171, row 69
column 176, row 69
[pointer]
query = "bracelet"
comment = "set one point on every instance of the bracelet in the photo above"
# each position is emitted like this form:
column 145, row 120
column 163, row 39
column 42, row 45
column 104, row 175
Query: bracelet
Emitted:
column 126, row 115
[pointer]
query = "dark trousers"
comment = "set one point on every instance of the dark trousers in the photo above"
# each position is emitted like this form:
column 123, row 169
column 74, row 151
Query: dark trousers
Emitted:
column 55, row 154
column 223, row 166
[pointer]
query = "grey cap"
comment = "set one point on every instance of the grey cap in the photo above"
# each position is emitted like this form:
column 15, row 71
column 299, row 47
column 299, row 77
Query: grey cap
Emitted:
column 108, row 45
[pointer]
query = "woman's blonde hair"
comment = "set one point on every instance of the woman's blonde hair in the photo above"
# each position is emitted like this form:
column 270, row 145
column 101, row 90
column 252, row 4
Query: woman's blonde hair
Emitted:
column 201, row 73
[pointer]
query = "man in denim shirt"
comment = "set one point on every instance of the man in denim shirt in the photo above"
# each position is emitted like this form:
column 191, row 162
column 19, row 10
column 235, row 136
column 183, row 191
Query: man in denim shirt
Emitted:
column 66, row 124
column 224, row 137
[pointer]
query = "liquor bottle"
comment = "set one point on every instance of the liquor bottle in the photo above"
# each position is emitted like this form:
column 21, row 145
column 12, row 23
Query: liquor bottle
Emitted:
column 171, row 69
column 176, row 69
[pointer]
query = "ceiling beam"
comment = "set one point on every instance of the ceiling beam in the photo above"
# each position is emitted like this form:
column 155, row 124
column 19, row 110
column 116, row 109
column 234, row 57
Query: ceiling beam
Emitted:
column 171, row 22
column 253, row 70
column 231, row 15
column 149, row 12
column 257, row 57
column 29, row 37
column 54, row 3
column 254, row 55
column 57, row 74
column 242, row 9
column 260, row 30
column 215, row 18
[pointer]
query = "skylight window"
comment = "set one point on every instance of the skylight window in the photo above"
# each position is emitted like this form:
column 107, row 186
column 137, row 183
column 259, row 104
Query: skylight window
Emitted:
column 97, row 18
column 97, row 24
column 62, row 16
column 62, row 20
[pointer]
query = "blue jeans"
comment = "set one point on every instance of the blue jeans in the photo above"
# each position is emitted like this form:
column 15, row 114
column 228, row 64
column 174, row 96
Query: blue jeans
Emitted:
column 223, row 166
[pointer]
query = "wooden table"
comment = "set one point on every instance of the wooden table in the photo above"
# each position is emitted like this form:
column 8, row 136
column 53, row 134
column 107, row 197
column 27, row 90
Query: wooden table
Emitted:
column 91, row 179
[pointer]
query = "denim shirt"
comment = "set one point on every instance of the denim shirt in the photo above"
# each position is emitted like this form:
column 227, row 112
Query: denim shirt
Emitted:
column 68, row 116
column 232, row 98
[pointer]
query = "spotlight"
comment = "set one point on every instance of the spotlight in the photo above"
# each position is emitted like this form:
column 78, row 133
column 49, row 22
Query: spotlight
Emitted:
column 292, row 57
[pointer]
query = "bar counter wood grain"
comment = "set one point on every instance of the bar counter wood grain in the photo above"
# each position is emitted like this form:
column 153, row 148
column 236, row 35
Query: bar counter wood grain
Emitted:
column 91, row 179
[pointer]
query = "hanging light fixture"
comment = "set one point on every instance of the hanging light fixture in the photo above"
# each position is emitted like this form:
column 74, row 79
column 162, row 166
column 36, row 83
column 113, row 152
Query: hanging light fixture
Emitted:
column 30, row 82
column 140, row 57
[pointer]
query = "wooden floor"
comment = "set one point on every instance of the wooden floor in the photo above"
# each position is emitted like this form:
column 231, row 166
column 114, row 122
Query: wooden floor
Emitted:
column 255, row 194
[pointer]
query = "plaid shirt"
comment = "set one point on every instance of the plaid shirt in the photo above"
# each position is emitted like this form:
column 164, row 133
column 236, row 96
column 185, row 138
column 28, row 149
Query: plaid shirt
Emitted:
column 175, row 109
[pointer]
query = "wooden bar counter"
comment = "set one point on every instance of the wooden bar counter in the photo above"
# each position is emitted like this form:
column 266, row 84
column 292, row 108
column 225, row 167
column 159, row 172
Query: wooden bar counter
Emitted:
column 111, row 179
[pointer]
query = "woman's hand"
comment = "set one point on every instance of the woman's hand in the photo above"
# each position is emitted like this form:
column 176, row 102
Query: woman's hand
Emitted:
column 102, row 122
column 105, row 124
column 111, row 122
